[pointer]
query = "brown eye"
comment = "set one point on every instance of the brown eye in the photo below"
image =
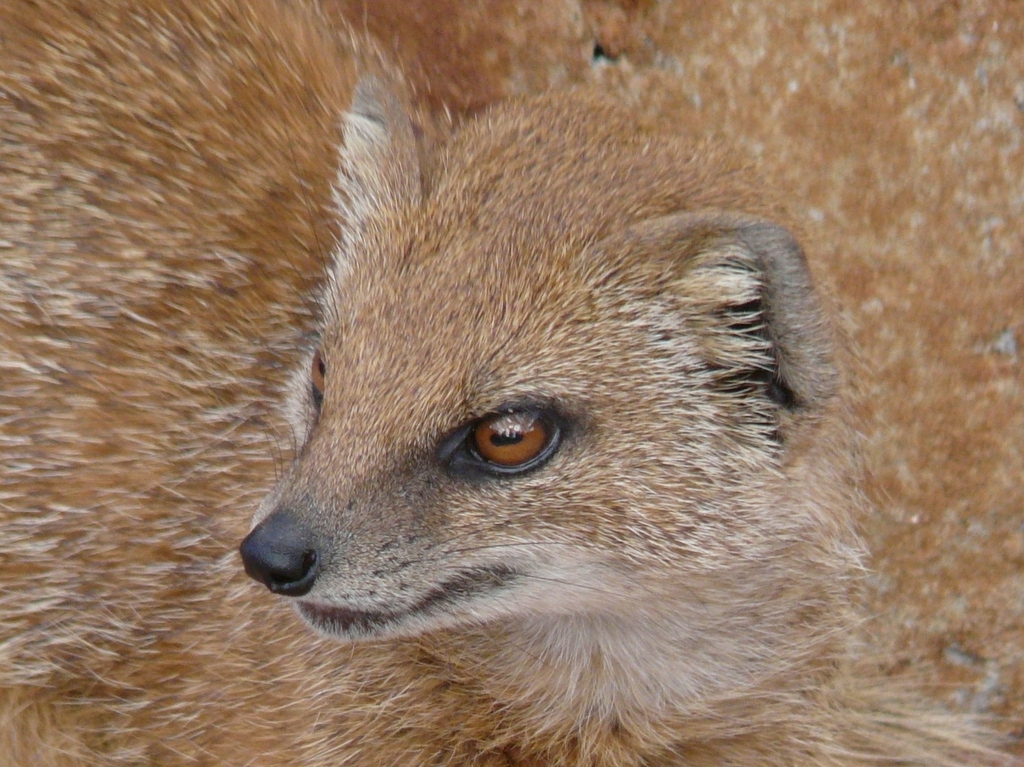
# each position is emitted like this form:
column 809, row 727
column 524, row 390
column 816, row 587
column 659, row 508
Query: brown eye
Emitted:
column 317, row 373
column 512, row 440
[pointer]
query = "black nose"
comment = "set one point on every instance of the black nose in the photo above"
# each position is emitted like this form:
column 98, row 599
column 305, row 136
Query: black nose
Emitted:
column 279, row 553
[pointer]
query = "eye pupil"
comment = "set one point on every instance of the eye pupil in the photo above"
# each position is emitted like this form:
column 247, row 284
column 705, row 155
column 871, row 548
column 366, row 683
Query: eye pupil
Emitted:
column 317, row 375
column 505, row 440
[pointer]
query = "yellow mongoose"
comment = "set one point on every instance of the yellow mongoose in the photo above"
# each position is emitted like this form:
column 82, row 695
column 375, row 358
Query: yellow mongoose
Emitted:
column 569, row 453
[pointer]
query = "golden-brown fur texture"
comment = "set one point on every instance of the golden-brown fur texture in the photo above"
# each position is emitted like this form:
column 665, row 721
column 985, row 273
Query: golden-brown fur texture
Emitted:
column 166, row 176
column 895, row 134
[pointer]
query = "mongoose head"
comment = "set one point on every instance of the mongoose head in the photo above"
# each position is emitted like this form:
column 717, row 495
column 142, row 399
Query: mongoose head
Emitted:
column 569, row 372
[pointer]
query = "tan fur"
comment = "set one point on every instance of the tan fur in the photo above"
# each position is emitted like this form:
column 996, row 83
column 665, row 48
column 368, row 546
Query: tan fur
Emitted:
column 171, row 193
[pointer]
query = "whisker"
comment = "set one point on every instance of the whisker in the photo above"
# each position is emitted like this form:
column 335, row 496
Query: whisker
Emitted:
column 438, row 551
column 575, row 584
column 273, row 438
column 506, row 642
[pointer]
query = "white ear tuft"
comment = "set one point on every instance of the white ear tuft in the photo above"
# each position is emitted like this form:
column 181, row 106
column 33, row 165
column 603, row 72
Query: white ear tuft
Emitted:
column 379, row 169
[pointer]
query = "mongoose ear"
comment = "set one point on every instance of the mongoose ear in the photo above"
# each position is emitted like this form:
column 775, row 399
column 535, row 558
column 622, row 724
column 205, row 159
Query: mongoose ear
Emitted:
column 380, row 168
column 740, row 289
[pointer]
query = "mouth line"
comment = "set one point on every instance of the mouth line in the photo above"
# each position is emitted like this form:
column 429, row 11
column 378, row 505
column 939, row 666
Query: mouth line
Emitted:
column 464, row 585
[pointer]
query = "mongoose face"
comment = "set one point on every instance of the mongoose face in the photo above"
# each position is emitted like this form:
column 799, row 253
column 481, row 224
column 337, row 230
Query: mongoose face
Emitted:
column 554, row 380
column 568, row 421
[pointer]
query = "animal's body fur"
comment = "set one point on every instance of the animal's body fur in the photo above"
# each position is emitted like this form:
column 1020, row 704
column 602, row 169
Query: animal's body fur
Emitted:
column 682, row 570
